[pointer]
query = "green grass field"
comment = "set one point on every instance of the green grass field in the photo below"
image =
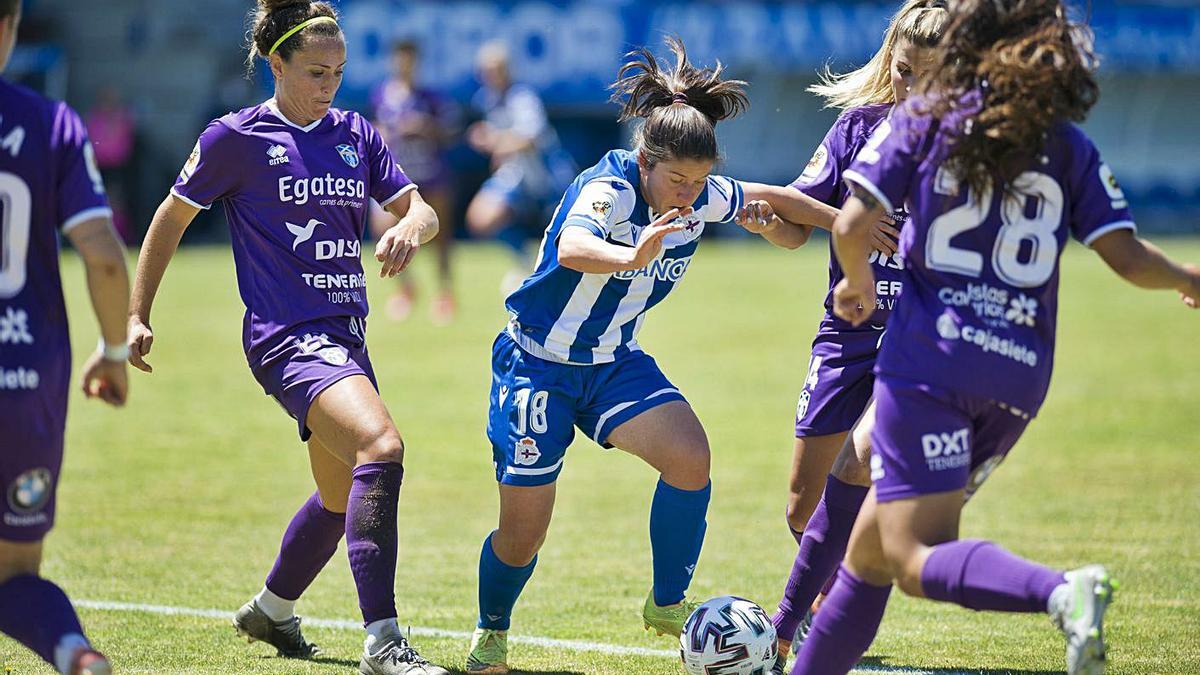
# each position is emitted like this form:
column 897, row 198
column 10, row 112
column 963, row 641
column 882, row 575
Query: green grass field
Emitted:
column 180, row 499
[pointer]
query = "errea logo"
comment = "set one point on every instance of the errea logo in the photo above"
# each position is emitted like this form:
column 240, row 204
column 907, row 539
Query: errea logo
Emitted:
column 278, row 155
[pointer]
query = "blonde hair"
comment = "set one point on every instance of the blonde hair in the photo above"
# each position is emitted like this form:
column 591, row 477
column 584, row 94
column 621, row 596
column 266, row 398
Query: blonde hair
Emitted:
column 919, row 22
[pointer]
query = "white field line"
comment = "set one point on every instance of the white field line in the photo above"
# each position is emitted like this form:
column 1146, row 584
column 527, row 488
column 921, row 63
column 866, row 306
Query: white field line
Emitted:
column 345, row 624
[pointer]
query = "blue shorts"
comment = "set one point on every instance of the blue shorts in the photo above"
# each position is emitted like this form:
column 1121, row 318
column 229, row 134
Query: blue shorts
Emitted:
column 307, row 358
column 535, row 406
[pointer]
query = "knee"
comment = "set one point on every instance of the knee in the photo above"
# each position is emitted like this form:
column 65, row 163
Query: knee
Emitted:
column 797, row 516
column 692, row 465
column 854, row 468
column 517, row 549
column 904, row 566
column 385, row 446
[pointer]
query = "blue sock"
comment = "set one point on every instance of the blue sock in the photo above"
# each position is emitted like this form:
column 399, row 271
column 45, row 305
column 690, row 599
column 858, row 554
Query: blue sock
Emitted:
column 499, row 587
column 676, row 534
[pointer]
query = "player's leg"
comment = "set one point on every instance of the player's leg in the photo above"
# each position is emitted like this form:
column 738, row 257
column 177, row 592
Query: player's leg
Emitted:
column 506, row 562
column 350, row 420
column 670, row 438
column 825, row 536
column 309, row 542
column 442, row 200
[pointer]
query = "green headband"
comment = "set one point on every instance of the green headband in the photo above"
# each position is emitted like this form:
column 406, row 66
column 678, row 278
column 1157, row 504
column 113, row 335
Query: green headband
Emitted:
column 297, row 29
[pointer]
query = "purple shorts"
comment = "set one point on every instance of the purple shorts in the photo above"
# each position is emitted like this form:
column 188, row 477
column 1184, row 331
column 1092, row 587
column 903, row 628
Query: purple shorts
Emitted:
column 929, row 440
column 307, row 358
column 839, row 382
column 32, row 425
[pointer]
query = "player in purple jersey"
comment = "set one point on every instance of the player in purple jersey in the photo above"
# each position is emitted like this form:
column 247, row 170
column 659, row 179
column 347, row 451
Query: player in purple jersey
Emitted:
column 996, row 177
column 295, row 176
column 417, row 124
column 833, row 416
column 49, row 185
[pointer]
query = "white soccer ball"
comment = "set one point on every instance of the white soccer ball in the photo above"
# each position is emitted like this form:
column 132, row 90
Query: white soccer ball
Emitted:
column 728, row 636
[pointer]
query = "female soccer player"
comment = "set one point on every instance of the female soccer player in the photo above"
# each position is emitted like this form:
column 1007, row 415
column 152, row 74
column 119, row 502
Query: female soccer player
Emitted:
column 996, row 176
column 49, row 183
column 837, row 389
column 416, row 123
column 622, row 237
column 295, row 176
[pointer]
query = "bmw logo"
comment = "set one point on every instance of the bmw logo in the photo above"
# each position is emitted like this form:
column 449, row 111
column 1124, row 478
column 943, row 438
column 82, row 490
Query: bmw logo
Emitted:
column 31, row 490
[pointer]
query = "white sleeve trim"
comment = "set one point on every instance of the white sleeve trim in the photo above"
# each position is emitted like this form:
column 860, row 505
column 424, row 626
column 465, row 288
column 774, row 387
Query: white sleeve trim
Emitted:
column 85, row 215
column 399, row 193
column 852, row 176
column 1100, row 232
column 185, row 200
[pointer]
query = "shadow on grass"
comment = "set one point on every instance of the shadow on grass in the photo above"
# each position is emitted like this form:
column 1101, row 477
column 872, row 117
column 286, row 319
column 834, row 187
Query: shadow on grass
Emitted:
column 881, row 664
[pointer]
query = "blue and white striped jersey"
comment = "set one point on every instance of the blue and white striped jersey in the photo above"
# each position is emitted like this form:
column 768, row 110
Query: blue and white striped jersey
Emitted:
column 566, row 316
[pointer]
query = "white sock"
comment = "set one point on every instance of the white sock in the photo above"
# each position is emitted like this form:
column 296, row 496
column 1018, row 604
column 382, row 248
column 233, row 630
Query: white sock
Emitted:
column 1060, row 598
column 65, row 650
column 275, row 607
column 378, row 630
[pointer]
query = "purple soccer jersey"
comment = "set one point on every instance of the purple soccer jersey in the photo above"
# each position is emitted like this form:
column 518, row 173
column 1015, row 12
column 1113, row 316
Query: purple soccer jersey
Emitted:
column 823, row 180
column 296, row 201
column 49, row 183
column 398, row 113
column 981, row 279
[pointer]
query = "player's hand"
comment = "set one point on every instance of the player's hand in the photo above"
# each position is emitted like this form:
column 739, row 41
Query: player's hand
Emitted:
column 855, row 302
column 105, row 380
column 649, row 244
column 884, row 236
column 141, row 338
column 396, row 248
column 757, row 217
column 1191, row 294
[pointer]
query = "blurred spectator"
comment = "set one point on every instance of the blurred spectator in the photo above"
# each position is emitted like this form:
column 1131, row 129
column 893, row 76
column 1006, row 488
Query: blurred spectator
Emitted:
column 113, row 131
column 418, row 125
column 530, row 170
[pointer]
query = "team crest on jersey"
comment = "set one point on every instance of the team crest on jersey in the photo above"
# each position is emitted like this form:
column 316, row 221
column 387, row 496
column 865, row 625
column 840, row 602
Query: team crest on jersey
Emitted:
column 816, row 165
column 527, row 453
column 30, row 491
column 349, row 156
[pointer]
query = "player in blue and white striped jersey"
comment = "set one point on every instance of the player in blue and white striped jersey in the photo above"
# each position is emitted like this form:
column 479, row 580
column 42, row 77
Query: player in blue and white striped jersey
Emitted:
column 621, row 239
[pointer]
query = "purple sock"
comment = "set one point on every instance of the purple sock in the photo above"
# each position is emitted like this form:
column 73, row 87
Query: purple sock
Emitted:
column 980, row 575
column 309, row 542
column 36, row 613
column 844, row 628
column 371, row 537
column 821, row 549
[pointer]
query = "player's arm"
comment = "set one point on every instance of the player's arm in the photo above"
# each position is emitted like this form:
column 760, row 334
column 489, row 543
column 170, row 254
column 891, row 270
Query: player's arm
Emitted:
column 582, row 250
column 418, row 225
column 162, row 239
column 854, row 296
column 794, row 206
column 1143, row 264
column 108, row 285
column 759, row 218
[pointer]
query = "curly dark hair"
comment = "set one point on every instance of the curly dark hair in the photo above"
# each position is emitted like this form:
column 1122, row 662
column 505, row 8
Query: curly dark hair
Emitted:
column 681, row 104
column 1007, row 72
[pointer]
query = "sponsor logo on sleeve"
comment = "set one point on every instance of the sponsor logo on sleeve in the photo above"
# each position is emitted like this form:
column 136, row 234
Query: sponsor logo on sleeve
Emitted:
column 1112, row 187
column 816, row 165
column 602, row 207
column 193, row 160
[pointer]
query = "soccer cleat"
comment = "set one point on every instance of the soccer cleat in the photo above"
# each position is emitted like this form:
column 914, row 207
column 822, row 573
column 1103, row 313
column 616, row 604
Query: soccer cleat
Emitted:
column 489, row 652
column 780, row 667
column 802, row 629
column 1077, row 609
column 88, row 661
column 667, row 620
column 253, row 624
column 394, row 656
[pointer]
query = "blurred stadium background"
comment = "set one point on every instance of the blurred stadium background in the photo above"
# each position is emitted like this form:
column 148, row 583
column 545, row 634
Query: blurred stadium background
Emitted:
column 174, row 66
